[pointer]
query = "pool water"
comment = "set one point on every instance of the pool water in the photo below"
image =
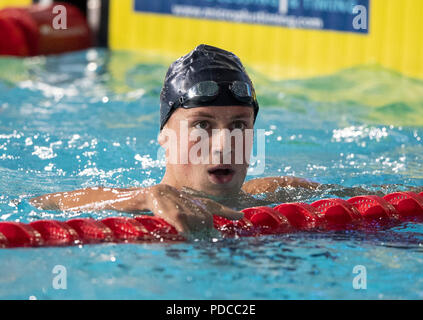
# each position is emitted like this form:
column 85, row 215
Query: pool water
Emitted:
column 90, row 118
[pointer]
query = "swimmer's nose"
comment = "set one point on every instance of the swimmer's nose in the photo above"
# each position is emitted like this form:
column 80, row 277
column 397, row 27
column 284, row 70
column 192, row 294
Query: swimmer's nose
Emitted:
column 221, row 147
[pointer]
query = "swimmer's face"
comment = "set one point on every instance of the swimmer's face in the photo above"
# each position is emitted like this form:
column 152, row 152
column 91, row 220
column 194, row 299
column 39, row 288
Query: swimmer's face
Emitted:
column 208, row 148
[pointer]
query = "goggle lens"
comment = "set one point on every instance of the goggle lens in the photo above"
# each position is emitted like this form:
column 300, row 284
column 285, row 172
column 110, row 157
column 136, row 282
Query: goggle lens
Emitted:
column 208, row 90
column 242, row 91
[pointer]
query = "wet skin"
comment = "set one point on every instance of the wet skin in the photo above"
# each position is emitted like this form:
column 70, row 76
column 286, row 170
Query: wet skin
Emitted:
column 189, row 193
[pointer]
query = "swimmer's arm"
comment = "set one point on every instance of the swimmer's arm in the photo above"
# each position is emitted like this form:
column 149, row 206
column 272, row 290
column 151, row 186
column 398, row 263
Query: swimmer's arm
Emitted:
column 271, row 184
column 187, row 214
column 125, row 200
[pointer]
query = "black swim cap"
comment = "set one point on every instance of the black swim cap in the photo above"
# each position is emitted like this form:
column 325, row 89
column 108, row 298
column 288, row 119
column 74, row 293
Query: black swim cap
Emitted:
column 204, row 63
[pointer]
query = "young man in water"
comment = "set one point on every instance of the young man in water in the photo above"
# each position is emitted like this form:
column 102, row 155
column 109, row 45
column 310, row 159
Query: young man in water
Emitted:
column 205, row 93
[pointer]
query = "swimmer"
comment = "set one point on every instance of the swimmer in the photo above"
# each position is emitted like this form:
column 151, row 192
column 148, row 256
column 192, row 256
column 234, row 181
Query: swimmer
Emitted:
column 206, row 90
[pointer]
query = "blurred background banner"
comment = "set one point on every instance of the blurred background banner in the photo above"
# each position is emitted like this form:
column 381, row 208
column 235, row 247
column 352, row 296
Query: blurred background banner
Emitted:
column 308, row 14
column 282, row 39
column 331, row 34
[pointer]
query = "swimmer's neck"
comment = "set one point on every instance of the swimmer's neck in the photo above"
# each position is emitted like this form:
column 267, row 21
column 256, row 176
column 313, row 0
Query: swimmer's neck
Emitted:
column 236, row 201
column 184, row 188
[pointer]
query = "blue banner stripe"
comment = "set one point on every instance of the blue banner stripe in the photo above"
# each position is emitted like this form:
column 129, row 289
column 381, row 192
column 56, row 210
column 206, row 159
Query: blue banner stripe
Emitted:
column 340, row 15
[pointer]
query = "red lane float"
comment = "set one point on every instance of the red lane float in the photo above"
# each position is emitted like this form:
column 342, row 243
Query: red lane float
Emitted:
column 22, row 19
column 374, row 208
column 13, row 41
column 407, row 204
column 159, row 229
column 337, row 213
column 40, row 30
column 53, row 40
column 239, row 228
column 127, row 229
column 266, row 220
column 90, row 230
column 326, row 214
column 21, row 235
column 3, row 241
column 56, row 233
column 301, row 216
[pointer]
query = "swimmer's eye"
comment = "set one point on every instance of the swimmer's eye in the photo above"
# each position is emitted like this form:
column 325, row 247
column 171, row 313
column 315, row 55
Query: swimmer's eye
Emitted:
column 239, row 125
column 202, row 125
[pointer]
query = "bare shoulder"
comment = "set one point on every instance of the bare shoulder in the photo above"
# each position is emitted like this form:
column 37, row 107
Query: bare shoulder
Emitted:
column 271, row 184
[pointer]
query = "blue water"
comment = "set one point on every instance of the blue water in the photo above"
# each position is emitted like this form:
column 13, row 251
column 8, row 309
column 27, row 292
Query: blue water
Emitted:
column 91, row 118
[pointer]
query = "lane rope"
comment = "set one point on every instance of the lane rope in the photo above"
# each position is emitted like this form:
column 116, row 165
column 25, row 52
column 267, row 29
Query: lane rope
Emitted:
column 358, row 213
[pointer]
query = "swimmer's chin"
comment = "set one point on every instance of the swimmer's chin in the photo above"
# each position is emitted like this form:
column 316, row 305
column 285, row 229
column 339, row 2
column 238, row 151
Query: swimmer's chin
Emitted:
column 217, row 194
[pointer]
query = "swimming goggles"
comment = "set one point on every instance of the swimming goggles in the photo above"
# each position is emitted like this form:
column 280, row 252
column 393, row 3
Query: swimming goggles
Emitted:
column 207, row 91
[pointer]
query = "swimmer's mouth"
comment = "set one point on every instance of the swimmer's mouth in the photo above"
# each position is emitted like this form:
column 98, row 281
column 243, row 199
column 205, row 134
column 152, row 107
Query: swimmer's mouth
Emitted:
column 221, row 171
column 221, row 174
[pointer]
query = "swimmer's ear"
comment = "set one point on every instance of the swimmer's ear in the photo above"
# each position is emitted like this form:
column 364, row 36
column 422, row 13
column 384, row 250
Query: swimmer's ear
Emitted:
column 162, row 138
column 168, row 140
column 164, row 135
